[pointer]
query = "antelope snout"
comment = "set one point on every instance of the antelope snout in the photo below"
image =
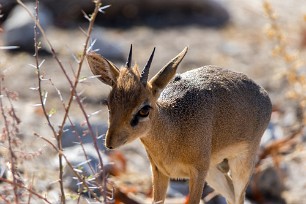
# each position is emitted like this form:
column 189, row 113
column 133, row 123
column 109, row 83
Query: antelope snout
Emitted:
column 114, row 140
column 108, row 144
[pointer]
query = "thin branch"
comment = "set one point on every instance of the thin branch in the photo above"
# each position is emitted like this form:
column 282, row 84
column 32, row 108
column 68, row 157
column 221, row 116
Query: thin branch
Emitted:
column 26, row 188
column 9, row 137
column 70, row 166
column 4, row 199
column 43, row 101
column 30, row 194
column 73, row 86
column 73, row 91
column 48, row 141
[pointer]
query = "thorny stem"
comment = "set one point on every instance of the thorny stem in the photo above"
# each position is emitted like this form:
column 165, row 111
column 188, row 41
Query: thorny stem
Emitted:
column 70, row 166
column 4, row 199
column 74, row 84
column 30, row 187
column 40, row 91
column 72, row 125
column 74, row 92
column 11, row 151
column 26, row 188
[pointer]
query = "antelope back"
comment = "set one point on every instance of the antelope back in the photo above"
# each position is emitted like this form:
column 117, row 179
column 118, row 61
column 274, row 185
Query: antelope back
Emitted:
column 213, row 101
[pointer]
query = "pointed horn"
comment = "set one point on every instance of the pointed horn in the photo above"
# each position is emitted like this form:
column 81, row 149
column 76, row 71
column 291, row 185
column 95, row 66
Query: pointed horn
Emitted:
column 128, row 63
column 145, row 71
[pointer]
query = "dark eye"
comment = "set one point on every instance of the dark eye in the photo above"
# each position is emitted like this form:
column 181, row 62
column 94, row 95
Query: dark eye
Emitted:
column 141, row 114
column 144, row 111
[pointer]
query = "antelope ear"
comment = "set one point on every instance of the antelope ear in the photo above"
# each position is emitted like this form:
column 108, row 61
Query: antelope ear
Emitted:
column 162, row 78
column 100, row 66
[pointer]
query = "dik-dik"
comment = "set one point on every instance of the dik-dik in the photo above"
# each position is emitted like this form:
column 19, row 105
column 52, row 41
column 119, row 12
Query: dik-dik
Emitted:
column 202, row 125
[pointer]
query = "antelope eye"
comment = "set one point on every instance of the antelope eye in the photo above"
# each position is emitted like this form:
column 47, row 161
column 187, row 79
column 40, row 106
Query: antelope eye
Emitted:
column 144, row 111
column 141, row 114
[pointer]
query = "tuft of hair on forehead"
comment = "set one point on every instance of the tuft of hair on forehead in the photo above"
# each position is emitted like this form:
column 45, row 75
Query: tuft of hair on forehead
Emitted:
column 129, row 79
column 128, row 89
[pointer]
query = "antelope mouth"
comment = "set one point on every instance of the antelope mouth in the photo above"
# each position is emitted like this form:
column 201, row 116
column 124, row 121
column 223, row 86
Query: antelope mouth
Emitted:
column 116, row 144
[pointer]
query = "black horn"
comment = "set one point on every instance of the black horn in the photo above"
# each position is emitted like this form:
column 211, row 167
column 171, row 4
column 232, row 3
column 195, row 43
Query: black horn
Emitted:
column 145, row 71
column 128, row 62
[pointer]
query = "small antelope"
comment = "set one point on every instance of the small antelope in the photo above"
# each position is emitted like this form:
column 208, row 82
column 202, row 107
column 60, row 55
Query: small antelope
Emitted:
column 204, row 124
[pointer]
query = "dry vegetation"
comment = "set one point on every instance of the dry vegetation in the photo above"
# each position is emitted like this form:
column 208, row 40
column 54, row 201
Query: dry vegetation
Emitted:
column 23, row 191
column 57, row 89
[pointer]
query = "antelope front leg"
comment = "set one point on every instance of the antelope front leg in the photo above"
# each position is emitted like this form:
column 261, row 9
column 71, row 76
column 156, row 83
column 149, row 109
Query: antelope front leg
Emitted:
column 160, row 184
column 196, row 185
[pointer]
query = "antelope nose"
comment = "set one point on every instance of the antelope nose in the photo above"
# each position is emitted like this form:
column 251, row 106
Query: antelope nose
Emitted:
column 108, row 141
column 108, row 145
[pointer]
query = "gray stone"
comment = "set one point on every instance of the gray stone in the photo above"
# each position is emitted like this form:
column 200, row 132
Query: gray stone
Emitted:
column 3, row 168
column 166, row 13
column 272, row 133
column 87, row 167
column 268, row 185
column 108, row 49
column 19, row 26
column 73, row 135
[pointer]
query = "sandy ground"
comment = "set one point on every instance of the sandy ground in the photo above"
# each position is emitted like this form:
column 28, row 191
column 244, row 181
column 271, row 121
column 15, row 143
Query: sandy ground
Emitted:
column 242, row 45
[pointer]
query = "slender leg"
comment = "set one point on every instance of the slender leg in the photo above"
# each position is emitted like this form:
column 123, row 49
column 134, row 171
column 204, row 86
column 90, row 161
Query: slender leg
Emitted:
column 221, row 183
column 160, row 185
column 241, row 168
column 196, row 185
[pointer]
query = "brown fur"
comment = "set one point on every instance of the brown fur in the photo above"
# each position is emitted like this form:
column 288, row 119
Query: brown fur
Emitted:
column 205, row 124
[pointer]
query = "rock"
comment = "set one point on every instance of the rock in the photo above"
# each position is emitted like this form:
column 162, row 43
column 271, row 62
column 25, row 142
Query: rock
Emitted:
column 273, row 132
column 66, row 12
column 156, row 13
column 267, row 186
column 106, row 48
column 5, row 7
column 159, row 13
column 73, row 134
column 86, row 167
column 180, row 188
column 217, row 199
column 3, row 168
column 19, row 26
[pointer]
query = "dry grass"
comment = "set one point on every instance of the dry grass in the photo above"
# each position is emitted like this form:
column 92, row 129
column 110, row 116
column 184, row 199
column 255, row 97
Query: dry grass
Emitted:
column 294, row 78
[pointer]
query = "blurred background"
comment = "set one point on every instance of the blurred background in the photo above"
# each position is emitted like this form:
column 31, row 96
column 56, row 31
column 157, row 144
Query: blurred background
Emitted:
column 264, row 39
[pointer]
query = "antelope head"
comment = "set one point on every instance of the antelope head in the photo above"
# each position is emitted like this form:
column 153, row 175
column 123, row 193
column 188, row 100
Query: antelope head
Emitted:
column 132, row 100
